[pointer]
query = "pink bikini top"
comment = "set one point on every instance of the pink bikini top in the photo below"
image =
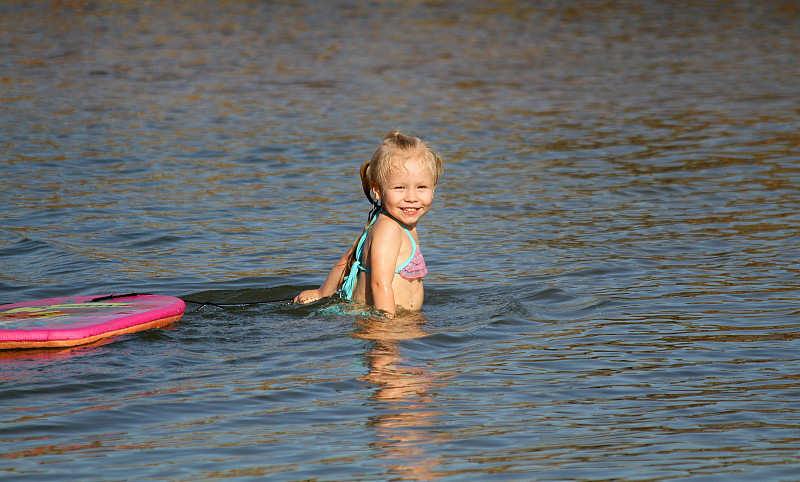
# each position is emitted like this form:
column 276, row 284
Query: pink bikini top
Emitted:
column 414, row 267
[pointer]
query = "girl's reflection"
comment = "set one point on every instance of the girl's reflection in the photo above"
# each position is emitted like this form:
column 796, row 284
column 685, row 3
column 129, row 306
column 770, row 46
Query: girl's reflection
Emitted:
column 405, row 428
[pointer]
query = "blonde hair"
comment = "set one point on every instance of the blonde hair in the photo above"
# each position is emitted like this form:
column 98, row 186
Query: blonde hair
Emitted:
column 395, row 150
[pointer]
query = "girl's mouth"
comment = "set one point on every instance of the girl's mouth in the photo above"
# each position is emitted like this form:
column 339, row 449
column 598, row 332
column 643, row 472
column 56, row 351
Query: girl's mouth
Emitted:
column 410, row 210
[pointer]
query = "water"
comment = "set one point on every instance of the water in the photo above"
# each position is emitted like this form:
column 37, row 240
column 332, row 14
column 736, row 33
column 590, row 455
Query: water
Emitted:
column 613, row 247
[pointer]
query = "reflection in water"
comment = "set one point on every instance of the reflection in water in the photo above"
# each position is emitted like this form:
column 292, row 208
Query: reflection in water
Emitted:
column 11, row 360
column 404, row 429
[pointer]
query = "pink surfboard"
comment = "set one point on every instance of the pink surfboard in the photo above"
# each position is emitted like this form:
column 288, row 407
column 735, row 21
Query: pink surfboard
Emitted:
column 64, row 322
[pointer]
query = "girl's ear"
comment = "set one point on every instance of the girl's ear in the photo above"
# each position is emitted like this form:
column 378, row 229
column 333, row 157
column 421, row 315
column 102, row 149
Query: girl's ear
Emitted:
column 376, row 193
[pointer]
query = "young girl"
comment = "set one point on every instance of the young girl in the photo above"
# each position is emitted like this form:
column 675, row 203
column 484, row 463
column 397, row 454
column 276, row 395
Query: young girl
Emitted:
column 384, row 267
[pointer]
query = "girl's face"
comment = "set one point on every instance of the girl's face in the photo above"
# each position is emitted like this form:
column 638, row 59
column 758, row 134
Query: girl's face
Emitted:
column 408, row 192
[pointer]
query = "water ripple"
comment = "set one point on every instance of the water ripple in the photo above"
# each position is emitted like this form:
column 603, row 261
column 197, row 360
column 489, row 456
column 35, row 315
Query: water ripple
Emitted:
column 613, row 253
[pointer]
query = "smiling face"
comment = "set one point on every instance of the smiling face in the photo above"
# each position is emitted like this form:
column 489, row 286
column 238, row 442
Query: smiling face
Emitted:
column 407, row 193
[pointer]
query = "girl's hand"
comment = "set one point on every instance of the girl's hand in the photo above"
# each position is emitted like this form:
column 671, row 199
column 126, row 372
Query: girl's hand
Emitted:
column 307, row 296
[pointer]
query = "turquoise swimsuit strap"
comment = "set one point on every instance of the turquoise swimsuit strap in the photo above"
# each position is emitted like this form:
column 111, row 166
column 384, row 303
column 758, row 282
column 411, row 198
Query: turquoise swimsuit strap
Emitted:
column 349, row 283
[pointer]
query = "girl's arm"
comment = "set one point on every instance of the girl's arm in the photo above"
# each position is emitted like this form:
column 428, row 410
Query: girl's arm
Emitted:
column 383, row 251
column 330, row 285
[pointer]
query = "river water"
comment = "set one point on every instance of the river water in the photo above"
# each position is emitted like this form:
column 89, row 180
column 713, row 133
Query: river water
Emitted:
column 614, row 288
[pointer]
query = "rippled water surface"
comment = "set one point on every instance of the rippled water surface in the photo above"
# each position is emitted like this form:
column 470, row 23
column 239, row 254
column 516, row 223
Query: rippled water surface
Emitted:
column 614, row 288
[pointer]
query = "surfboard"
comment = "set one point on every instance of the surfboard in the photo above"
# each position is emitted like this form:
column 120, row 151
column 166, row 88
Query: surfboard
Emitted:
column 65, row 322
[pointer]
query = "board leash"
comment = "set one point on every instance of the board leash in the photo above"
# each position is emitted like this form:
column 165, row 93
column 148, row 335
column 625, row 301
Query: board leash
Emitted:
column 112, row 297
column 201, row 303
column 230, row 305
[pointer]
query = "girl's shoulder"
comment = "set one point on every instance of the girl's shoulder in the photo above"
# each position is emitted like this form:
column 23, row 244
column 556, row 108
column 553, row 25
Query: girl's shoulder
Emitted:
column 386, row 230
column 386, row 226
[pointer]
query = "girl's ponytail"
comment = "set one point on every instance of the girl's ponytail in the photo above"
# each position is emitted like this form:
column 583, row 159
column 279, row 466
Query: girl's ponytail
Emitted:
column 366, row 183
